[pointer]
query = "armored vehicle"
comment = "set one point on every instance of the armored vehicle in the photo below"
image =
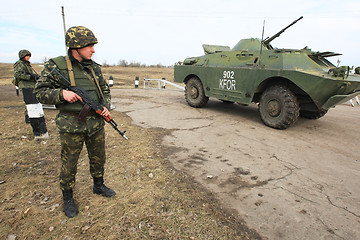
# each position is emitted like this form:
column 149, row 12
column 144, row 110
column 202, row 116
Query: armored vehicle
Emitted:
column 286, row 83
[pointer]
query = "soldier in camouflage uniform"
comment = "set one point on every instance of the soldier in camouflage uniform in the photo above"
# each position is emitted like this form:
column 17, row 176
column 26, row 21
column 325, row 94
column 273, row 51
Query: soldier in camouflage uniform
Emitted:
column 25, row 78
column 23, row 71
column 73, row 130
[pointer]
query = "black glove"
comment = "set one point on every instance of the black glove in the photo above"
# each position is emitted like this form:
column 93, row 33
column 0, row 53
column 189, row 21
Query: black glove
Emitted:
column 34, row 77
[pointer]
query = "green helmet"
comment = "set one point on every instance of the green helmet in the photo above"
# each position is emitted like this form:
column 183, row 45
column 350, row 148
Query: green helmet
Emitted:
column 79, row 37
column 24, row 53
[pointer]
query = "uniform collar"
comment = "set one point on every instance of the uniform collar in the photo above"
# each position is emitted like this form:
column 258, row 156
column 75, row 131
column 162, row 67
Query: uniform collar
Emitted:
column 83, row 64
column 24, row 61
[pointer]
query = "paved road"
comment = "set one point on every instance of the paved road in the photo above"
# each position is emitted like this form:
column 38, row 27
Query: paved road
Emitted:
column 299, row 183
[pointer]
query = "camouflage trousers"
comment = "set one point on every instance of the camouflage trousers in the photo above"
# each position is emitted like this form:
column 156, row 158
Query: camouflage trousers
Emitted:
column 71, row 146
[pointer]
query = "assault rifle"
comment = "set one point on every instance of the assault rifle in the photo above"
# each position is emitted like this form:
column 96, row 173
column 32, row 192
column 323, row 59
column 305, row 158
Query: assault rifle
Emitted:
column 88, row 101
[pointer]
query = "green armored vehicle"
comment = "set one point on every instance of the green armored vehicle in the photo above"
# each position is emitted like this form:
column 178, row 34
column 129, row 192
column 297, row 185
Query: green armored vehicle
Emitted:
column 286, row 83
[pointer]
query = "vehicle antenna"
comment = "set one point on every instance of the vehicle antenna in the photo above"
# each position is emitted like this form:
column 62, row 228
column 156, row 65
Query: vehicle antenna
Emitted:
column 261, row 46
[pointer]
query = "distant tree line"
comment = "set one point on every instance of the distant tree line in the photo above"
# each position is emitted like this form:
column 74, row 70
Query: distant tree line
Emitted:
column 124, row 63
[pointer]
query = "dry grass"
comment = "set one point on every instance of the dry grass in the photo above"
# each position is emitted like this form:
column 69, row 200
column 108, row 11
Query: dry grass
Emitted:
column 124, row 77
column 153, row 200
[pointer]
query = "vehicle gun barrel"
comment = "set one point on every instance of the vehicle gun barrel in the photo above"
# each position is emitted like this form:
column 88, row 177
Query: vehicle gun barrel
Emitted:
column 268, row 40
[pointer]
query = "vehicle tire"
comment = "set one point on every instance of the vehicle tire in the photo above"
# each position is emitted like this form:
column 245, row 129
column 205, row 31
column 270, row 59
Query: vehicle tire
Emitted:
column 278, row 107
column 195, row 94
column 312, row 115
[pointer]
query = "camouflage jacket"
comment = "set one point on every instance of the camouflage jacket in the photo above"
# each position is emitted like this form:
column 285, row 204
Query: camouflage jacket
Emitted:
column 49, row 88
column 22, row 72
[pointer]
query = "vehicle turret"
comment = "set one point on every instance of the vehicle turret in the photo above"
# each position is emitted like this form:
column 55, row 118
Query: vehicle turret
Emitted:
column 269, row 39
column 250, row 44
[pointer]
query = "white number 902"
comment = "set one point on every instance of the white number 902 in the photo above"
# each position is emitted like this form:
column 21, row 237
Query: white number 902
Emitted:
column 228, row 74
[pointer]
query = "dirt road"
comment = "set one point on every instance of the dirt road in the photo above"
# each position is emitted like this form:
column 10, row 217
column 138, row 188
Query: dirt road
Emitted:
column 299, row 183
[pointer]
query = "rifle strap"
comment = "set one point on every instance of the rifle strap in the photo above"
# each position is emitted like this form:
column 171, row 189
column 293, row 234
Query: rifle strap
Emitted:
column 70, row 70
column 27, row 67
column 94, row 82
column 97, row 83
column 32, row 70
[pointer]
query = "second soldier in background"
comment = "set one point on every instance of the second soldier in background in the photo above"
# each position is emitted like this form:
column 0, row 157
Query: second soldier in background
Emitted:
column 25, row 78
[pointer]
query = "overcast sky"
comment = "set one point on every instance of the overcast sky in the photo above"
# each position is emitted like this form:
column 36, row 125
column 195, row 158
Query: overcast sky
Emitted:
column 165, row 32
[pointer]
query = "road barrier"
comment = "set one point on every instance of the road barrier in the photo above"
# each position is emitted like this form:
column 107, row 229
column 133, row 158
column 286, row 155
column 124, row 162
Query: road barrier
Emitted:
column 161, row 84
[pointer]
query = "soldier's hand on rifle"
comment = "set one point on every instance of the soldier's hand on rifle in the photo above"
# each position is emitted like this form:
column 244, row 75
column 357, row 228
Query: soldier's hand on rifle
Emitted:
column 34, row 77
column 105, row 112
column 70, row 96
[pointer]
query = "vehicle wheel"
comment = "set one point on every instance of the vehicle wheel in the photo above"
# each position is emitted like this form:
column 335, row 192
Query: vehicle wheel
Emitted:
column 312, row 115
column 278, row 107
column 195, row 94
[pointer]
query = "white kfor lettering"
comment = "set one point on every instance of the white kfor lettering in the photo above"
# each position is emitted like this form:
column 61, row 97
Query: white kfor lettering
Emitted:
column 228, row 81
column 221, row 85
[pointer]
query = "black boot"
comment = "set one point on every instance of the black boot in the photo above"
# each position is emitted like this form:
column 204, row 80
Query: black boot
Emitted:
column 70, row 207
column 101, row 189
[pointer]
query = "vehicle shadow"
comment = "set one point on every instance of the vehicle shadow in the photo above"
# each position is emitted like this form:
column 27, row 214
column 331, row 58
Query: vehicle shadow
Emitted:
column 249, row 112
